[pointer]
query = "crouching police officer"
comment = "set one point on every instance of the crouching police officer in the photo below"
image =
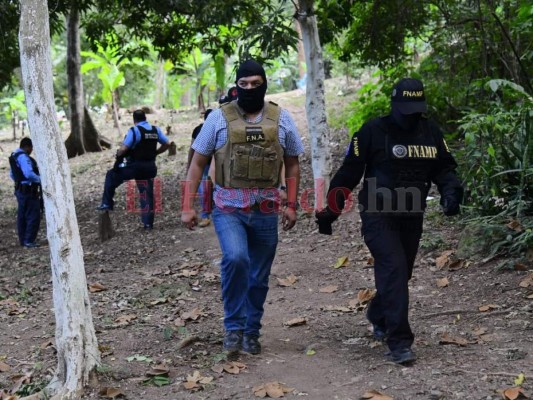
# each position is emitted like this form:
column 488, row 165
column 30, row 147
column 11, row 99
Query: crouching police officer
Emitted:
column 25, row 173
column 400, row 155
column 135, row 159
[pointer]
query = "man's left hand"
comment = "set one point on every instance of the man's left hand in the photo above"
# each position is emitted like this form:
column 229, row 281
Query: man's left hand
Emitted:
column 289, row 218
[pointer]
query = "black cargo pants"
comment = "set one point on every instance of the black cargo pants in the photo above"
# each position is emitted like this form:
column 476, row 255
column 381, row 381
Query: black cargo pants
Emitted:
column 393, row 243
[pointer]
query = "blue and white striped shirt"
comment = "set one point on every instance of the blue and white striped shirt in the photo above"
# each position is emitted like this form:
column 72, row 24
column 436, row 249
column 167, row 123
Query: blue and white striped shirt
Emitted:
column 214, row 135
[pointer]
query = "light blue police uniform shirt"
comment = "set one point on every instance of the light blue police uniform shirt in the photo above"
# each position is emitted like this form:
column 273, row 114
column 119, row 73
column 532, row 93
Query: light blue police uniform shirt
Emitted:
column 214, row 135
column 133, row 136
column 24, row 162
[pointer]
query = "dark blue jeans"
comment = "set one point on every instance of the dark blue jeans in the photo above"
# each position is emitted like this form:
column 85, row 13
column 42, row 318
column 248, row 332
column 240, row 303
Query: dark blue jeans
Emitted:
column 393, row 242
column 248, row 240
column 144, row 173
column 28, row 216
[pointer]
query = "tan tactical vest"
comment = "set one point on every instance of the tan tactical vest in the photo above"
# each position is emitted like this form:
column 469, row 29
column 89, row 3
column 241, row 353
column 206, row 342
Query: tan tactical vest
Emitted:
column 252, row 156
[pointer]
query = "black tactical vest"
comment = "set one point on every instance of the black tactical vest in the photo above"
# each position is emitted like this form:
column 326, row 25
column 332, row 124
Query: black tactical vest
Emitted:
column 398, row 174
column 146, row 148
column 17, row 171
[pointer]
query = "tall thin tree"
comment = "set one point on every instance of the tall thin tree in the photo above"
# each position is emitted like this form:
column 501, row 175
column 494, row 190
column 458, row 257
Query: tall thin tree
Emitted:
column 76, row 343
column 315, row 105
column 83, row 134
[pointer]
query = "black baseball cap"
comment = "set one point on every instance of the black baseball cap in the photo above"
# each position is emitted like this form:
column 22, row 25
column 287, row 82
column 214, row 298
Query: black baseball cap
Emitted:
column 408, row 96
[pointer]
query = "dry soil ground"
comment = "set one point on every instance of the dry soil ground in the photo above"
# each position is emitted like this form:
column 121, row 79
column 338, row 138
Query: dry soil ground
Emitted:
column 158, row 306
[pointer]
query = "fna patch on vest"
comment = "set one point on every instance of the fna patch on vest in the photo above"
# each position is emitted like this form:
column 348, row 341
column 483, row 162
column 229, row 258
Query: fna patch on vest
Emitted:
column 254, row 134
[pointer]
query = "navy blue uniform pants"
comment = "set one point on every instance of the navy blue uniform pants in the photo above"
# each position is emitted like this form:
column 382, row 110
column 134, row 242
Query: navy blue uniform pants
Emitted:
column 28, row 215
column 393, row 243
column 144, row 173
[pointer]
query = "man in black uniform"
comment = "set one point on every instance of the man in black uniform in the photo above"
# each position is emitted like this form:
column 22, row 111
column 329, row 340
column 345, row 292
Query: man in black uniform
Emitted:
column 135, row 159
column 400, row 155
column 25, row 173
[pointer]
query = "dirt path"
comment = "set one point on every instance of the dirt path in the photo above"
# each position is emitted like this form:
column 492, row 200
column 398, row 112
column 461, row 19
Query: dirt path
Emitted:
column 161, row 305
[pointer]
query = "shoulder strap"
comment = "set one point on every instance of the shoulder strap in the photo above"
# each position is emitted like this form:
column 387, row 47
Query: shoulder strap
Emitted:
column 272, row 111
column 230, row 111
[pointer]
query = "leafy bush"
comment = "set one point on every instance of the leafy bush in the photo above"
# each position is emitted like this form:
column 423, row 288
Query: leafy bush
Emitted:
column 496, row 167
column 496, row 160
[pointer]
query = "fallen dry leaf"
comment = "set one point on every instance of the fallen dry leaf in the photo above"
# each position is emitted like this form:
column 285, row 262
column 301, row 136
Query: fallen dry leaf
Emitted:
column 365, row 295
column 370, row 261
column 341, row 262
column 442, row 282
column 160, row 369
column 9, row 302
column 375, row 395
column 444, row 259
column 111, row 393
column 96, row 287
column 486, row 338
column 296, row 321
column 4, row 367
column 520, row 267
column 193, row 315
column 233, row 367
column 515, row 226
column 288, row 281
column 480, row 331
column 218, row 368
column 488, row 307
column 447, row 339
column 188, row 273
column 527, row 281
column 190, row 385
column 17, row 311
column 123, row 320
column 161, row 300
column 48, row 343
column 457, row 264
column 195, row 379
column 530, row 296
column 513, row 393
column 328, row 289
column 273, row 390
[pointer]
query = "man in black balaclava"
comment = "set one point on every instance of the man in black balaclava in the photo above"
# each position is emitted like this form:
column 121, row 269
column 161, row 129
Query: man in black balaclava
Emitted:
column 251, row 139
column 400, row 155
column 251, row 90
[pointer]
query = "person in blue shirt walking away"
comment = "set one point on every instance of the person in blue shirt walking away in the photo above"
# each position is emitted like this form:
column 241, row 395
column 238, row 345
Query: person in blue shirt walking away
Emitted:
column 250, row 139
column 135, row 159
column 25, row 173
column 204, row 190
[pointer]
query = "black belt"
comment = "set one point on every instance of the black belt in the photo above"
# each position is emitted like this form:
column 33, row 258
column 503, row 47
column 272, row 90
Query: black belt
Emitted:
column 265, row 205
column 22, row 188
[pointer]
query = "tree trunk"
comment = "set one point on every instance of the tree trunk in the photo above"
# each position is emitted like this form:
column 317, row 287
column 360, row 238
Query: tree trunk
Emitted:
column 159, row 84
column 315, row 105
column 301, row 52
column 114, row 106
column 14, row 118
column 92, row 139
column 77, row 348
column 83, row 134
column 105, row 227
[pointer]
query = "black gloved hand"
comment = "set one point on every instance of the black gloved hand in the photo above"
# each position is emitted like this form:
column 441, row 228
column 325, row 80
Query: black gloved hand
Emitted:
column 324, row 219
column 118, row 161
column 450, row 206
